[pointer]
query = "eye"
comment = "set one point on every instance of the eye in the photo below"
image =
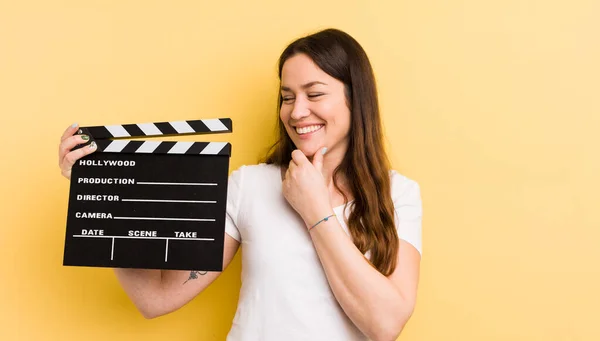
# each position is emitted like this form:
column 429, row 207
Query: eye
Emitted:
column 287, row 98
column 314, row 95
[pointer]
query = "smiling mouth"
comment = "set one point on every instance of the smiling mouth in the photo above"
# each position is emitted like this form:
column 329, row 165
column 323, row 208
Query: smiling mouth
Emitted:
column 309, row 129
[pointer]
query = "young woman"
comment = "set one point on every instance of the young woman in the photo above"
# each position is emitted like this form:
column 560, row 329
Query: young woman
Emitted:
column 331, row 235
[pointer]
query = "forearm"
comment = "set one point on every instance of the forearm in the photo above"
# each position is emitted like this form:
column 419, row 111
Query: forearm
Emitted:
column 158, row 292
column 369, row 298
column 142, row 286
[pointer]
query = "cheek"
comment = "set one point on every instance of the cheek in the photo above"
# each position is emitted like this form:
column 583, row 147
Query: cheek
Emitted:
column 337, row 115
column 343, row 124
column 284, row 115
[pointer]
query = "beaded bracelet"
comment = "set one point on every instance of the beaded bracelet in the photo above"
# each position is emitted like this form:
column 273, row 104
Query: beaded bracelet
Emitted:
column 320, row 221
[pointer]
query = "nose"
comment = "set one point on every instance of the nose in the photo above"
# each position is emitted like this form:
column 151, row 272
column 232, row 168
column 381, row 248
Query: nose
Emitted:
column 300, row 109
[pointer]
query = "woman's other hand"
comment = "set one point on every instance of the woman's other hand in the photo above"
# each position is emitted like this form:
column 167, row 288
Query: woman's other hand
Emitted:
column 66, row 157
column 305, row 188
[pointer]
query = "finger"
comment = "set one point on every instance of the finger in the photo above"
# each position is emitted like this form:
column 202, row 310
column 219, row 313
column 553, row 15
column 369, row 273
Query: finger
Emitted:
column 75, row 155
column 291, row 167
column 69, row 143
column 318, row 159
column 299, row 157
column 292, row 161
column 69, row 131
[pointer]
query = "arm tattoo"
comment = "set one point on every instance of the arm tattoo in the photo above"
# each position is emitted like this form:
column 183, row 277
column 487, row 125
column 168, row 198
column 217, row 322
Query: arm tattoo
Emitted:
column 194, row 275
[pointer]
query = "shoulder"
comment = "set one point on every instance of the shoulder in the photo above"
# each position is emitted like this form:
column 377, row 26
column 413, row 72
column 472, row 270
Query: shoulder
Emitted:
column 251, row 180
column 254, row 170
column 406, row 195
column 402, row 186
column 256, row 174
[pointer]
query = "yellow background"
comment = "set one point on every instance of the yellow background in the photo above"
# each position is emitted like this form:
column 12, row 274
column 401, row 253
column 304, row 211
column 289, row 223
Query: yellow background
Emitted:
column 492, row 106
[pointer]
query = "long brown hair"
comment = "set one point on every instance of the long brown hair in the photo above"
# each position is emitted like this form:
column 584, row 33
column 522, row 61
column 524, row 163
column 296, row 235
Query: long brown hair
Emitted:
column 365, row 166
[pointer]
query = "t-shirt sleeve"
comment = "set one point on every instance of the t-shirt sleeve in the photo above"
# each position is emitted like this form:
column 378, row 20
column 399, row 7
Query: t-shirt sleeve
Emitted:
column 406, row 195
column 234, row 191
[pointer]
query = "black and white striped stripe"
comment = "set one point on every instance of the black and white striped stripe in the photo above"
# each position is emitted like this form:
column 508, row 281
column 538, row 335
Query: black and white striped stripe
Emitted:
column 164, row 147
column 206, row 126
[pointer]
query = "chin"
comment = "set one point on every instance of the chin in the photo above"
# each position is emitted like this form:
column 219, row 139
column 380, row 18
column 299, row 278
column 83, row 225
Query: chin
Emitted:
column 309, row 151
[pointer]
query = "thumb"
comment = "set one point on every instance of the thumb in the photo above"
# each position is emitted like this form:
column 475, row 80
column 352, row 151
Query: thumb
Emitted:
column 318, row 159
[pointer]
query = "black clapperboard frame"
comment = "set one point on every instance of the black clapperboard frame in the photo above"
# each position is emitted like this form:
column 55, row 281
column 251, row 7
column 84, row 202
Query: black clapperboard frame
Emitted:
column 149, row 204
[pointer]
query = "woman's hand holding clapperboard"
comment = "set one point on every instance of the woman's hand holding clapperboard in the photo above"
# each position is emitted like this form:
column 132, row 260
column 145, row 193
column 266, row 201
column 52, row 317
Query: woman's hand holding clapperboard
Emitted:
column 68, row 141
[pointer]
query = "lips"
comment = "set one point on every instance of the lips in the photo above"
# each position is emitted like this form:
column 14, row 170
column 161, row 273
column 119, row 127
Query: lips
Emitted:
column 308, row 129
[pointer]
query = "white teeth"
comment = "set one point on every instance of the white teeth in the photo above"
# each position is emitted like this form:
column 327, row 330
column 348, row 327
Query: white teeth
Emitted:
column 309, row 129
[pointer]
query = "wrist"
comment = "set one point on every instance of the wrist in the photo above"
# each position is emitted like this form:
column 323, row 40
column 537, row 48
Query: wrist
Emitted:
column 318, row 217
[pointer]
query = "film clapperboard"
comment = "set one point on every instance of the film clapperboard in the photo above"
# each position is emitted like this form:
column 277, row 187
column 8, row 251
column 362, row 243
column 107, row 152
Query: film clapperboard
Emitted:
column 149, row 204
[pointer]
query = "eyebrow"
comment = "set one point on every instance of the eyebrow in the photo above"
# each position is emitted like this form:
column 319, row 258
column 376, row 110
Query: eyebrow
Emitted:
column 305, row 86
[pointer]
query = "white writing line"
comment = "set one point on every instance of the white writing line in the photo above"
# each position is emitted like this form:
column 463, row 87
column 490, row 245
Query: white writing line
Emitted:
column 176, row 219
column 178, row 183
column 126, row 237
column 112, row 248
column 186, row 201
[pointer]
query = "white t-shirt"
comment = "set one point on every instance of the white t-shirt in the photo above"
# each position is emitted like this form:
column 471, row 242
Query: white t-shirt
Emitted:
column 285, row 294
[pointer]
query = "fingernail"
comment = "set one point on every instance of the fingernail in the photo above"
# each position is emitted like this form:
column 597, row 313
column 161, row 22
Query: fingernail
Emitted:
column 93, row 145
column 74, row 125
column 85, row 137
column 324, row 150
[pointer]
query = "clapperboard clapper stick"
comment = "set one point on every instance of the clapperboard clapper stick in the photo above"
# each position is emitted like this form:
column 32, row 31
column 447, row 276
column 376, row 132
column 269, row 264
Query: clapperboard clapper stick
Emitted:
column 149, row 204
